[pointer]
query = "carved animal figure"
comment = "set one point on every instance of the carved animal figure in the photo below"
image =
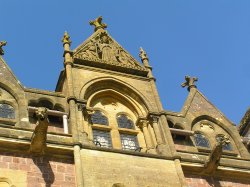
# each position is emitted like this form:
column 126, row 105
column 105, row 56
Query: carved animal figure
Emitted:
column 214, row 158
column 39, row 136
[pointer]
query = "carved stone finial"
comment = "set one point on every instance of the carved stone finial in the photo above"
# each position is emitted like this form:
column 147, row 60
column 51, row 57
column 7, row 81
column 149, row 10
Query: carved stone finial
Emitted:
column 143, row 55
column 66, row 38
column 98, row 23
column 190, row 82
column 2, row 43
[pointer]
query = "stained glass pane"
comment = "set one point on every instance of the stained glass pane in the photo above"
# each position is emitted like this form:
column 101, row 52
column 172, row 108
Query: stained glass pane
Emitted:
column 99, row 118
column 201, row 140
column 124, row 122
column 7, row 111
column 227, row 146
column 129, row 142
column 102, row 138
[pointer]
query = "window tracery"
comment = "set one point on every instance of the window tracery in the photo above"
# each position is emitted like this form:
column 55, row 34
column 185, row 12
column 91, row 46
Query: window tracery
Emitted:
column 201, row 140
column 7, row 111
column 99, row 118
column 102, row 138
column 124, row 122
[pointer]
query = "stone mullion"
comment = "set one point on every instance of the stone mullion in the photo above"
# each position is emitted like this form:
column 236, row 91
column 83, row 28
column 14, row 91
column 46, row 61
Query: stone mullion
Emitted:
column 115, row 134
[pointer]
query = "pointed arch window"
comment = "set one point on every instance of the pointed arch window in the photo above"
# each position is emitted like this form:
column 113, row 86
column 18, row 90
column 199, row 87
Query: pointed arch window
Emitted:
column 124, row 122
column 99, row 118
column 201, row 140
column 7, row 111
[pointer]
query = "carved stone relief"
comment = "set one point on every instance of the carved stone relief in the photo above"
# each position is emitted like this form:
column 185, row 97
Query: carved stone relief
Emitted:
column 103, row 49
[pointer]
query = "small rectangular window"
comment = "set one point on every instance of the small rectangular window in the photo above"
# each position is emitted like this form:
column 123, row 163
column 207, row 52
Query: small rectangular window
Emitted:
column 129, row 142
column 102, row 138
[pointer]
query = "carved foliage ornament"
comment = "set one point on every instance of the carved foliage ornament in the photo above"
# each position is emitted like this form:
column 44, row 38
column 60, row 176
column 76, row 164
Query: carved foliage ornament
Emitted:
column 101, row 48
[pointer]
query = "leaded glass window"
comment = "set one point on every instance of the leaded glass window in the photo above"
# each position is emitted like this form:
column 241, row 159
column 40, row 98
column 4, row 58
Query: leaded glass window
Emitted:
column 102, row 138
column 7, row 111
column 201, row 140
column 99, row 118
column 129, row 142
column 124, row 122
column 227, row 146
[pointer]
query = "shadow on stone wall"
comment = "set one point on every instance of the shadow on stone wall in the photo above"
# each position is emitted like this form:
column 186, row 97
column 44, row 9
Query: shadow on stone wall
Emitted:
column 47, row 173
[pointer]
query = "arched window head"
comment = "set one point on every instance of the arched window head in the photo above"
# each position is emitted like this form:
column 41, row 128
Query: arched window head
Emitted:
column 227, row 146
column 99, row 118
column 7, row 111
column 124, row 122
column 201, row 140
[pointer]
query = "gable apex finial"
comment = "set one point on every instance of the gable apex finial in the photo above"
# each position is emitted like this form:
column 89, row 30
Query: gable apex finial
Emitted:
column 2, row 43
column 190, row 82
column 97, row 23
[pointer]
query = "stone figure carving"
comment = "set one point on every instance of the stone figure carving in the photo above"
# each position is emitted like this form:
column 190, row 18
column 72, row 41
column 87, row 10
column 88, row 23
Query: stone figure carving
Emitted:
column 97, row 23
column 214, row 157
column 90, row 50
column 39, row 136
column 106, row 50
column 2, row 43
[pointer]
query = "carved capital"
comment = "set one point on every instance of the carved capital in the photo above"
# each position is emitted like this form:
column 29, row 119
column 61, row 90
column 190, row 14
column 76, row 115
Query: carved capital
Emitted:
column 81, row 107
column 143, row 123
column 97, row 23
column 2, row 43
column 154, row 118
column 190, row 82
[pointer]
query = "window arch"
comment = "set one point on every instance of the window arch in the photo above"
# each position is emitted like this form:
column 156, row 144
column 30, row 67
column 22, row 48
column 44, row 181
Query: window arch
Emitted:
column 7, row 111
column 124, row 122
column 201, row 140
column 99, row 118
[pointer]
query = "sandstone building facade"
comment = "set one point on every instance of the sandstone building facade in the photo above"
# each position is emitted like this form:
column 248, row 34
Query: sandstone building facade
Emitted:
column 104, row 126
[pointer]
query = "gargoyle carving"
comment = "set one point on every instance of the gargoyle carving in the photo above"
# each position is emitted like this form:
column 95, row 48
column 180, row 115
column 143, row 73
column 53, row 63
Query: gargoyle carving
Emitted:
column 214, row 157
column 39, row 136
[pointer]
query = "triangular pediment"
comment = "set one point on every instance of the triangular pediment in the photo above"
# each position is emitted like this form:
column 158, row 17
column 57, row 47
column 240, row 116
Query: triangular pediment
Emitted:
column 101, row 50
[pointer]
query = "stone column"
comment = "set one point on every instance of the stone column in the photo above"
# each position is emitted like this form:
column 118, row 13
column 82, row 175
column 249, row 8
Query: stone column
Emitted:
column 89, row 124
column 157, row 132
column 65, row 124
column 167, row 137
column 68, row 63
column 143, row 124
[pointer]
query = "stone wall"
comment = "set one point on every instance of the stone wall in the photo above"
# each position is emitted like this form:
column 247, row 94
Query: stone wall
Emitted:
column 206, row 181
column 23, row 170
column 104, row 169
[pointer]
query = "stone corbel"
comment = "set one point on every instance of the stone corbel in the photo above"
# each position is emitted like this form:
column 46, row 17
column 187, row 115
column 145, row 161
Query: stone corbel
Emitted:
column 39, row 136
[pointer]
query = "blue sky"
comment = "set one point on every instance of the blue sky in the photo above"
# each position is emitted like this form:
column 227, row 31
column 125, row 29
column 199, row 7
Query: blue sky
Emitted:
column 207, row 39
